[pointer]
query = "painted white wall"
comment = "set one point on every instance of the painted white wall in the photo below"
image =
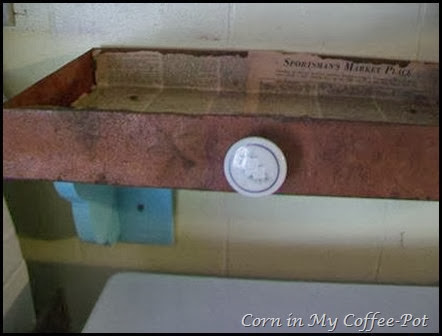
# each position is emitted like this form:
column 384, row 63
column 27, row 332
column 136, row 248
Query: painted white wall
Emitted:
column 47, row 35
column 15, row 279
column 320, row 238
column 15, row 276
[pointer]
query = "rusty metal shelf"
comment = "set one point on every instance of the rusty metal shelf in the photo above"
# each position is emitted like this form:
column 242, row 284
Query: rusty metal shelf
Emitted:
column 339, row 142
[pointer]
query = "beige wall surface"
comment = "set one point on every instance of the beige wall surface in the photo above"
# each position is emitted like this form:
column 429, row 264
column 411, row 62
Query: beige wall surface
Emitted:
column 15, row 275
column 18, row 307
column 225, row 234
column 47, row 35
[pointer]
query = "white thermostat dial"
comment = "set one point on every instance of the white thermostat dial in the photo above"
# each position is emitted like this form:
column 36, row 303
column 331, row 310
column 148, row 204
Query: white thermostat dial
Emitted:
column 255, row 167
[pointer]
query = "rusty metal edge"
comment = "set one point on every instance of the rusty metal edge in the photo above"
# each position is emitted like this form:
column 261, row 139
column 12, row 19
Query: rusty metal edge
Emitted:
column 325, row 157
column 61, row 87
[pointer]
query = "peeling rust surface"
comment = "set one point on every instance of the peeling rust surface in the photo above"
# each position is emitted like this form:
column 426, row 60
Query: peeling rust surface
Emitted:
column 60, row 88
column 325, row 157
column 356, row 143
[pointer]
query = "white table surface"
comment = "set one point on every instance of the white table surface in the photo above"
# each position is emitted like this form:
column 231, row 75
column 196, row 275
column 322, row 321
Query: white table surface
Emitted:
column 145, row 302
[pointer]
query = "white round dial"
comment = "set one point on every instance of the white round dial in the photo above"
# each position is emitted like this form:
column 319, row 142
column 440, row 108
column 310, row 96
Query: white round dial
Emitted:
column 255, row 167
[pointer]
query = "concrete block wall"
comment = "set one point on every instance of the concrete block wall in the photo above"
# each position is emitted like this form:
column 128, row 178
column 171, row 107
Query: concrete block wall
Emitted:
column 236, row 235
column 58, row 32
column 290, row 237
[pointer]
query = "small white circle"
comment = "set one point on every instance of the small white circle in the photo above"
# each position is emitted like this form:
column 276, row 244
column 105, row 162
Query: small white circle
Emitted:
column 255, row 167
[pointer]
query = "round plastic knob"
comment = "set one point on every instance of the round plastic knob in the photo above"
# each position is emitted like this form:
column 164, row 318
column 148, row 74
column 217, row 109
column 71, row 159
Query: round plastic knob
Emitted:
column 255, row 167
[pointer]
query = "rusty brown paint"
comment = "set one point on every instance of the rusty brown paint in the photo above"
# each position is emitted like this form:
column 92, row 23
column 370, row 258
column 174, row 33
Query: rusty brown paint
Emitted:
column 325, row 157
column 194, row 52
column 60, row 88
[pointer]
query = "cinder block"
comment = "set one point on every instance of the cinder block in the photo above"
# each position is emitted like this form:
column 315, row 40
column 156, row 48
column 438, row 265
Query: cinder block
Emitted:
column 157, row 24
column 285, row 237
column 193, row 24
column 411, row 246
column 375, row 30
column 429, row 34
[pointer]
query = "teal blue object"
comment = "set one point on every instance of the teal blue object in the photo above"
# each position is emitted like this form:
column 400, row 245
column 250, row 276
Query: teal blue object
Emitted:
column 106, row 214
column 145, row 215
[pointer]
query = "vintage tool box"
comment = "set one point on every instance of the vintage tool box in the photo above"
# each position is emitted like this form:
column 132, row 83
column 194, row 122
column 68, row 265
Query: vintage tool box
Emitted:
column 166, row 118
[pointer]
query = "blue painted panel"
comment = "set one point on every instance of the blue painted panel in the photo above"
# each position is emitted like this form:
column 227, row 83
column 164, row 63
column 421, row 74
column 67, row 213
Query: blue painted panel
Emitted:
column 145, row 215
column 80, row 212
column 107, row 214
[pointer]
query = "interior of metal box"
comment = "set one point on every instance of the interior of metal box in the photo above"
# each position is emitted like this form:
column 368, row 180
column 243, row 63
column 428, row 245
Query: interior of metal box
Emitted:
column 241, row 84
